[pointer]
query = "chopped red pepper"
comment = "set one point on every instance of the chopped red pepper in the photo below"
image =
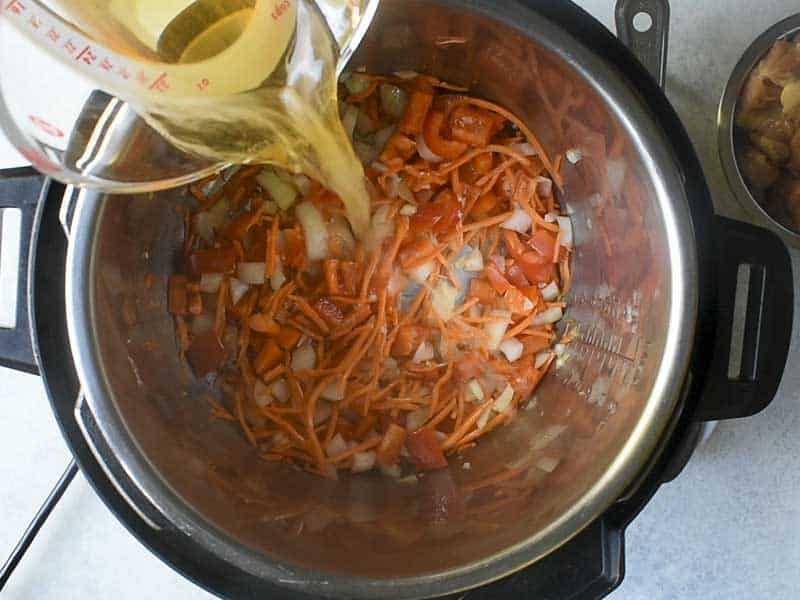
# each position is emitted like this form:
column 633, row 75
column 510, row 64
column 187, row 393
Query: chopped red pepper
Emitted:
column 415, row 251
column 439, row 216
column 205, row 354
column 329, row 311
column 483, row 291
column 212, row 260
column 473, row 126
column 391, row 444
column 419, row 103
column 517, row 276
column 469, row 367
column 544, row 243
column 409, row 338
column 497, row 280
column 447, row 149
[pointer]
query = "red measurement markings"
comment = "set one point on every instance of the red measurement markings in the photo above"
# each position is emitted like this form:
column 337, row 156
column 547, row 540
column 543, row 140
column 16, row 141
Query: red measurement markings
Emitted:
column 70, row 47
column 86, row 55
column 35, row 22
column 106, row 65
column 124, row 73
column 203, row 84
column 45, row 126
column 280, row 9
column 53, row 35
column 160, row 84
column 39, row 160
column 15, row 6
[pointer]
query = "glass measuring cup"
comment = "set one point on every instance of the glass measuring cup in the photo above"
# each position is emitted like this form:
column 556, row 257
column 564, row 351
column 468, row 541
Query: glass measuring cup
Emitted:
column 70, row 96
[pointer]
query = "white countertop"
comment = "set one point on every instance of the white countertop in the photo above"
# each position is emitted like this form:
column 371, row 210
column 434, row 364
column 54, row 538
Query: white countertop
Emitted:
column 727, row 528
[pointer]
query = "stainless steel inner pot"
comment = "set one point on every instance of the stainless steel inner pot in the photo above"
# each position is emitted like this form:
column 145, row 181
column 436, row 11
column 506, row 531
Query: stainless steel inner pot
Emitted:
column 633, row 304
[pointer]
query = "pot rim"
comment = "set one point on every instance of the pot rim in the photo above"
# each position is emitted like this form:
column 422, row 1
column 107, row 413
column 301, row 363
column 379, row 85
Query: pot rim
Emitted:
column 683, row 308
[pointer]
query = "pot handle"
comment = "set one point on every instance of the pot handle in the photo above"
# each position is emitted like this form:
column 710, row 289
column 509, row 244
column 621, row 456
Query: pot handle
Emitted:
column 755, row 311
column 20, row 190
column 643, row 26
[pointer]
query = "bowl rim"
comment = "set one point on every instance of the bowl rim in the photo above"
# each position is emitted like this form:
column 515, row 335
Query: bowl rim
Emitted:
column 727, row 112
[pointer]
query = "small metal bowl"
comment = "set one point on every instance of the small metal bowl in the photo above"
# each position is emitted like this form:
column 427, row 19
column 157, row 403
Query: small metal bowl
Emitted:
column 786, row 29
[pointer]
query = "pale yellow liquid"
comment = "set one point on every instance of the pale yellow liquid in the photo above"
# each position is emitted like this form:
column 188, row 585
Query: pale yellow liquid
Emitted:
column 276, row 101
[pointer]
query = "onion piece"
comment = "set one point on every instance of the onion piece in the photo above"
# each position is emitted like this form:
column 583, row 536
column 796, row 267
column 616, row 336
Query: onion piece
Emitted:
column 339, row 230
column 251, row 273
column 210, row 282
column 615, row 171
column 542, row 358
column 484, row 418
column 525, row 149
column 238, row 290
column 363, row 462
column 355, row 85
column 315, row 232
column 283, row 192
column 280, row 390
column 322, row 413
column 382, row 136
column 512, row 349
column 349, row 120
column 202, row 323
column 393, row 100
column 566, row 231
column 548, row 316
column 475, row 390
column 416, row 419
column 574, row 155
column 406, row 74
column 425, row 152
column 544, row 187
column 332, row 393
column 203, row 224
column 409, row 210
column 304, row 358
column 503, row 402
column 548, row 436
column 423, row 353
column 471, row 262
column 520, row 221
column 443, row 299
column 496, row 329
column 367, row 153
column 550, row 292
column 421, row 273
column 336, row 446
column 393, row 471
column 278, row 277
column 303, row 184
column 381, row 228
column 261, row 394
column 547, row 464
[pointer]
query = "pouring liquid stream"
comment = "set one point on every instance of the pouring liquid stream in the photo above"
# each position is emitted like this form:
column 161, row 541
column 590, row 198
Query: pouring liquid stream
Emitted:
column 236, row 81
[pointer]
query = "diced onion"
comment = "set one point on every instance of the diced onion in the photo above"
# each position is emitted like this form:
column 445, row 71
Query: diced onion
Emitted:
column 210, row 282
column 315, row 232
column 406, row 74
column 303, row 184
column 484, row 418
column 416, row 419
column 599, row 393
column 280, row 390
column 202, row 324
column 409, row 210
column 204, row 224
column 336, row 446
column 548, row 316
column 547, row 464
column 363, row 462
column 382, row 227
column 332, row 393
column 471, row 262
column 382, row 136
column 544, row 187
column 550, row 292
column 322, row 413
column 551, row 217
column 278, row 277
column 566, row 231
column 304, row 358
column 443, row 299
column 525, row 149
column 425, row 152
column 574, row 155
column 261, row 394
column 421, row 273
column 512, row 349
column 349, row 120
column 393, row 471
column 251, row 273
column 496, row 329
column 542, row 358
column 367, row 153
column 283, row 192
column 354, row 84
column 548, row 436
column 339, row 229
column 475, row 390
column 423, row 353
column 393, row 100
column 503, row 402
column 238, row 290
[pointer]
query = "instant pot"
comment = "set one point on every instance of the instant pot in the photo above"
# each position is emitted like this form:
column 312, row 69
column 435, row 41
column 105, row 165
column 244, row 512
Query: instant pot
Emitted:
column 680, row 317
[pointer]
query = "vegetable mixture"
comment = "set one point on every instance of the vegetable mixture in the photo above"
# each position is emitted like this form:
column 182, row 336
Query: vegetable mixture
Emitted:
column 394, row 351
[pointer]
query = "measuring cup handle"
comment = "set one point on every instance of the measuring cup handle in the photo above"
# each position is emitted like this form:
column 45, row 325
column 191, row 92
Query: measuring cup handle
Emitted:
column 20, row 189
column 649, row 44
column 755, row 314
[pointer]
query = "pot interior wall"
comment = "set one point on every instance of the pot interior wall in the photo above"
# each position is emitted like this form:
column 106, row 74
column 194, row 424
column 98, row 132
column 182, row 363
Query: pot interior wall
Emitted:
column 369, row 525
